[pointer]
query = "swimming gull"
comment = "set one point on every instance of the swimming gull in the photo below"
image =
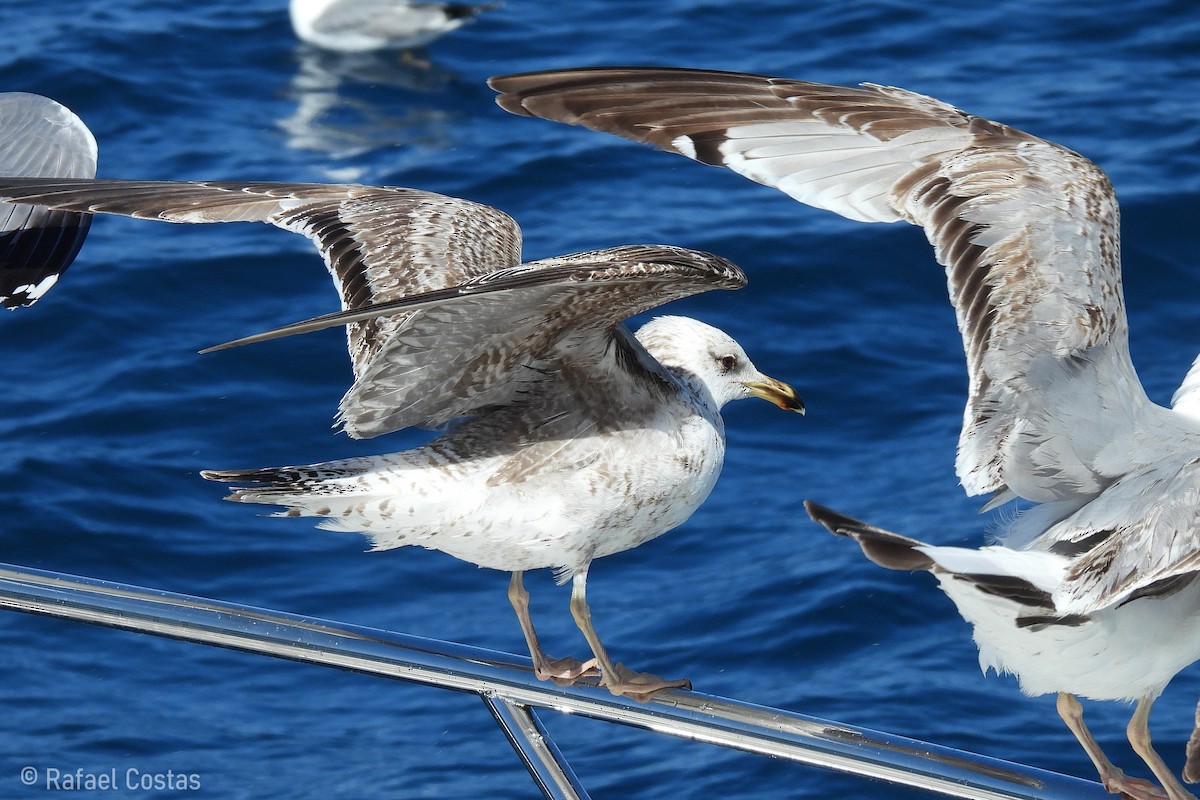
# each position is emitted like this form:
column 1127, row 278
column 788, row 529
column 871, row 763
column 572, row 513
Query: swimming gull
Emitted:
column 1094, row 591
column 582, row 440
column 39, row 137
column 360, row 26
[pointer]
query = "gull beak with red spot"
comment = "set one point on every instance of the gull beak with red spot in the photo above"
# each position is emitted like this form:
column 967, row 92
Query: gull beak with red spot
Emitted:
column 776, row 392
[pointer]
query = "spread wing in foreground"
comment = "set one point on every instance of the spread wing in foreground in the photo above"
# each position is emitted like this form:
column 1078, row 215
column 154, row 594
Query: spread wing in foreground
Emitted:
column 1027, row 232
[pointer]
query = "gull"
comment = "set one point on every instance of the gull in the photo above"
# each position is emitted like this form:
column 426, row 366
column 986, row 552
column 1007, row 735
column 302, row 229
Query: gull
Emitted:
column 575, row 438
column 39, row 137
column 360, row 26
column 1093, row 590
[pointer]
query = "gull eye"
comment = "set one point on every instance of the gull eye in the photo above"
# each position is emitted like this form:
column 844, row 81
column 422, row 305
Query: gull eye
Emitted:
column 728, row 363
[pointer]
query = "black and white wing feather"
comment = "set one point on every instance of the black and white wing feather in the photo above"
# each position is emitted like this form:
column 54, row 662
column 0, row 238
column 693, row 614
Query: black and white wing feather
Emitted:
column 1137, row 539
column 39, row 138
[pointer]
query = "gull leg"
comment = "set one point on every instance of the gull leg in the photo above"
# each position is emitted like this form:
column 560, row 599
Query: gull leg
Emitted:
column 1111, row 776
column 1138, row 733
column 619, row 679
column 563, row 671
column 1191, row 770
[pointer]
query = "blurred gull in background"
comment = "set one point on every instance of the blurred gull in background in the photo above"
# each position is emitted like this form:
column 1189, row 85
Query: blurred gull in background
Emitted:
column 360, row 26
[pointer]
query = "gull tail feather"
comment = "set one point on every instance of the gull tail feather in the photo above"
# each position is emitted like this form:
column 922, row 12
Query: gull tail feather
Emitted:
column 306, row 490
column 885, row 548
column 1024, row 580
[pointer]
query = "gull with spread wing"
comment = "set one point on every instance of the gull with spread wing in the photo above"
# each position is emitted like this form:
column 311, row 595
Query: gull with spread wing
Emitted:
column 1094, row 591
column 575, row 439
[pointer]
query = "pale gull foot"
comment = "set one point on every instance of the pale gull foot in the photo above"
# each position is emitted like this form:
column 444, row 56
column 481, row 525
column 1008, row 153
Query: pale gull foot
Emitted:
column 624, row 682
column 617, row 678
column 1133, row 788
column 1191, row 770
column 563, row 671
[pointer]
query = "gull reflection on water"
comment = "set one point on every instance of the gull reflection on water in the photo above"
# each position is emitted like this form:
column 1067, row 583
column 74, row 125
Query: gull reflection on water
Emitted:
column 348, row 105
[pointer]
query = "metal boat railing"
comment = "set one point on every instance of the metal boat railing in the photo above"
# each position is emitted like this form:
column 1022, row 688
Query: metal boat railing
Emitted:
column 508, row 687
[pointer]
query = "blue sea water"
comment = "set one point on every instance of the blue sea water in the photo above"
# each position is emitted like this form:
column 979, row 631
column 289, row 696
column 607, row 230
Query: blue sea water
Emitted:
column 107, row 414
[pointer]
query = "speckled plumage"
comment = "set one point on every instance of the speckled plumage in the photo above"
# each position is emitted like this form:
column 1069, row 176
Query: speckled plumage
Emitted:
column 1095, row 590
column 574, row 439
column 592, row 465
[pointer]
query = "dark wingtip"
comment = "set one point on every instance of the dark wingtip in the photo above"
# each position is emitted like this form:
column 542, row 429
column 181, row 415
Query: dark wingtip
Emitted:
column 887, row 549
column 835, row 521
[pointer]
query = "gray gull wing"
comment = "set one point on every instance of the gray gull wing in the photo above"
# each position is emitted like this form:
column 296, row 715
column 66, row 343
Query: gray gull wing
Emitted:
column 1137, row 539
column 1026, row 229
column 1186, row 399
column 508, row 337
column 39, row 137
column 443, row 319
column 379, row 243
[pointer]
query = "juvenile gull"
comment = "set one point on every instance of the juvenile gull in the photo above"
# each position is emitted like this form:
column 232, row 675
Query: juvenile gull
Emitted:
column 581, row 441
column 39, row 138
column 360, row 26
column 1094, row 590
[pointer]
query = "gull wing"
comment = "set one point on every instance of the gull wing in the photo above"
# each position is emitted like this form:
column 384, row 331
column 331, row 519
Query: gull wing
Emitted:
column 379, row 243
column 1027, row 231
column 443, row 319
column 514, row 336
column 1137, row 539
column 1186, row 399
column 39, row 137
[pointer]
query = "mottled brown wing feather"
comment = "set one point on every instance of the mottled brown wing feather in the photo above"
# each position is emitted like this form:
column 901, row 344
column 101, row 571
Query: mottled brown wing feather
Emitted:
column 379, row 243
column 509, row 336
column 657, row 105
column 1026, row 229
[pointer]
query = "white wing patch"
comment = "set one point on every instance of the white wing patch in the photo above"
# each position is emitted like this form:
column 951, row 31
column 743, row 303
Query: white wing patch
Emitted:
column 1186, row 400
column 839, row 170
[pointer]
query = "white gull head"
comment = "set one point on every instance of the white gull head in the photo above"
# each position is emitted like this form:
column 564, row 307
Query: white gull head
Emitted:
column 711, row 362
